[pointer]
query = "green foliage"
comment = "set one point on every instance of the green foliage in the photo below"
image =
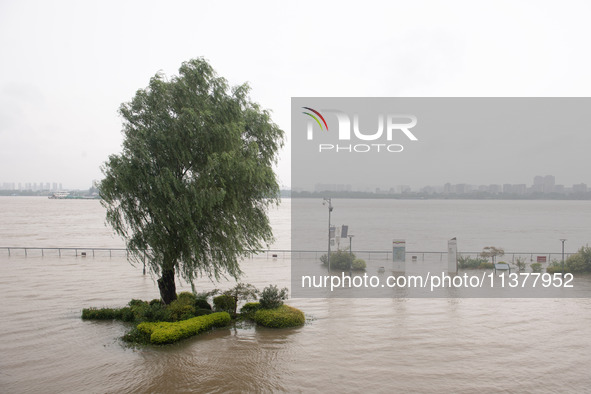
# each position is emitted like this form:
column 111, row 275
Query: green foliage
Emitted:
column 191, row 188
column 341, row 259
column 580, row 261
column 249, row 309
column 166, row 332
column 536, row 267
column 186, row 297
column 520, row 263
column 184, row 307
column 242, row 292
column 201, row 303
column 272, row 297
column 224, row 303
column 359, row 264
column 202, row 311
column 156, row 312
column 101, row 313
column 280, row 317
column 467, row 262
column 136, row 336
column 180, row 310
column 554, row 267
column 156, row 301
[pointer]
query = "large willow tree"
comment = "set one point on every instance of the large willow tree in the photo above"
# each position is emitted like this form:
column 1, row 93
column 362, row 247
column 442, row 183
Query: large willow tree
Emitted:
column 193, row 183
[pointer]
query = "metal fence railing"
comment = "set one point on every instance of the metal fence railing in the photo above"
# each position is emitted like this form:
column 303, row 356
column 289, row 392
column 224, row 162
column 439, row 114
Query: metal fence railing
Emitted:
column 29, row 251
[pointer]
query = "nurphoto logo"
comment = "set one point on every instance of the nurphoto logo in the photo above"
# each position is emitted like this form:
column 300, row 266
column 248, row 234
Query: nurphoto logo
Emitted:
column 389, row 126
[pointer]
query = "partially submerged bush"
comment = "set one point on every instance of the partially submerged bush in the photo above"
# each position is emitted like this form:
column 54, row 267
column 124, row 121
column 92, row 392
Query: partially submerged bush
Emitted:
column 249, row 309
column 520, row 263
column 166, row 332
column 467, row 262
column 186, row 297
column 180, row 309
column 201, row 303
column 184, row 307
column 359, row 264
column 341, row 259
column 554, row 267
column 224, row 303
column 281, row 317
column 101, row 313
column 536, row 267
column 242, row 292
column 580, row 261
column 272, row 297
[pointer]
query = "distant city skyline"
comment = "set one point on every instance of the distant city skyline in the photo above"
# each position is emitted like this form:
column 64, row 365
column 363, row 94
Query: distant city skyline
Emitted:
column 31, row 186
column 540, row 184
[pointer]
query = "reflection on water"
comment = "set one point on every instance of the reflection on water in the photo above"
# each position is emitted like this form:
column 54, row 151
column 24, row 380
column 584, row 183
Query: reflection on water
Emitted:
column 349, row 345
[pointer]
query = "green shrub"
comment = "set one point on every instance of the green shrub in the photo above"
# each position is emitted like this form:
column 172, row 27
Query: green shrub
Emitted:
column 156, row 301
column 359, row 264
column 181, row 309
column 127, row 314
column 186, row 298
column 101, row 313
column 241, row 292
column 579, row 262
column 486, row 265
column 136, row 311
column 536, row 267
column 281, row 317
column 554, row 268
column 520, row 263
column 136, row 336
column 203, row 311
column 201, row 303
column 272, row 297
column 184, row 307
column 249, row 309
column 166, row 332
column 467, row 262
column 341, row 259
column 224, row 303
column 135, row 302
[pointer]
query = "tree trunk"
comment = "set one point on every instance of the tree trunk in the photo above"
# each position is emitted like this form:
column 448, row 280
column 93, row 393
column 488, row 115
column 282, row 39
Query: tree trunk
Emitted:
column 167, row 286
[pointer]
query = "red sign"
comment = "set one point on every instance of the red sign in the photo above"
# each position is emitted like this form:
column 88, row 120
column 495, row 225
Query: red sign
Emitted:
column 541, row 259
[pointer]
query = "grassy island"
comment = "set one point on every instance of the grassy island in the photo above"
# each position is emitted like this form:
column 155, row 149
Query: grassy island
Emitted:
column 189, row 315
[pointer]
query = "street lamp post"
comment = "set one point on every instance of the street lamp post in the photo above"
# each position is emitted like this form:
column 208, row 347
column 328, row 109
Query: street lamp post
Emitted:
column 351, row 254
column 329, row 200
column 562, row 240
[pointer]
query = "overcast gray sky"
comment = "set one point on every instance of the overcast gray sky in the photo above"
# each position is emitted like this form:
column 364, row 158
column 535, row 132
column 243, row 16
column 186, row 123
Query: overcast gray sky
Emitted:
column 68, row 65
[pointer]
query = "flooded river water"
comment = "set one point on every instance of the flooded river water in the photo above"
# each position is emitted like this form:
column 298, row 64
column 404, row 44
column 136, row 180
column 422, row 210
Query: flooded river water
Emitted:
column 347, row 345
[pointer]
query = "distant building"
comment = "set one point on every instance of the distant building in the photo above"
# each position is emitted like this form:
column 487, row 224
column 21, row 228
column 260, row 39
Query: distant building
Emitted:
column 329, row 187
column 543, row 184
column 559, row 189
column 519, row 188
column 580, row 188
column 495, row 189
column 549, row 183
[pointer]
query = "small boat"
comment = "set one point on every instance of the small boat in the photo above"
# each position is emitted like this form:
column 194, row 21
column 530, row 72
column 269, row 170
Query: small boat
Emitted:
column 59, row 195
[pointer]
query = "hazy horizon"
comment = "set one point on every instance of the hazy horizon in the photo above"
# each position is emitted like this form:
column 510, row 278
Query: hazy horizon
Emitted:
column 67, row 67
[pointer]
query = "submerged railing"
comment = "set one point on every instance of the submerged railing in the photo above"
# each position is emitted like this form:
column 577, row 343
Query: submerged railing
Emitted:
column 544, row 257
